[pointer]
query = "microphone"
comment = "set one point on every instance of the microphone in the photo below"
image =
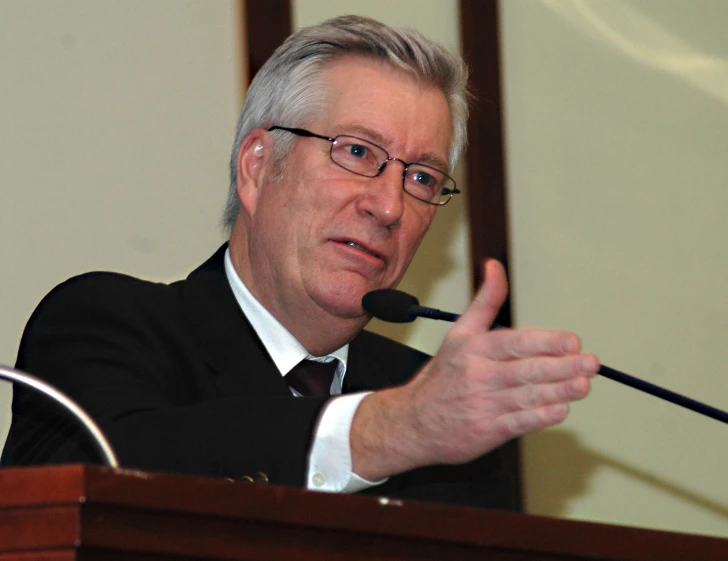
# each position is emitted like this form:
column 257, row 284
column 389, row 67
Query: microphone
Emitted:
column 396, row 306
column 92, row 429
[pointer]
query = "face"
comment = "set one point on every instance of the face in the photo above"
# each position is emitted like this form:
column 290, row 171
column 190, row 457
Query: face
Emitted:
column 323, row 237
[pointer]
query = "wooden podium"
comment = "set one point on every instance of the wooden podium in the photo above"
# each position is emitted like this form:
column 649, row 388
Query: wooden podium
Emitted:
column 94, row 513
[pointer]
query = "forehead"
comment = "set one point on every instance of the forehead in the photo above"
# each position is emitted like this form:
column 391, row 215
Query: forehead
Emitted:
column 388, row 106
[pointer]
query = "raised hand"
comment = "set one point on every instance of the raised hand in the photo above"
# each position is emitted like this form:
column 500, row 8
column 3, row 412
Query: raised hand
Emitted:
column 482, row 388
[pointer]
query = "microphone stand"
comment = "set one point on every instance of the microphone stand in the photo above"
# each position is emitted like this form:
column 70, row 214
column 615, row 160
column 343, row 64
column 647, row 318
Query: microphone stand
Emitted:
column 97, row 436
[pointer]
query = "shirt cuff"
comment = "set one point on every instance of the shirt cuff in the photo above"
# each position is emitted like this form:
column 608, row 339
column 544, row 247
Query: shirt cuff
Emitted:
column 329, row 463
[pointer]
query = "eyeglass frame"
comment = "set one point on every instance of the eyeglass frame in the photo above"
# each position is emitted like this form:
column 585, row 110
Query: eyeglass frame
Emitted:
column 382, row 167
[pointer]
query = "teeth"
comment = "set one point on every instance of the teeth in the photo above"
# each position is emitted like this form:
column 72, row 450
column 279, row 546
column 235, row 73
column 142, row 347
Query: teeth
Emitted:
column 360, row 248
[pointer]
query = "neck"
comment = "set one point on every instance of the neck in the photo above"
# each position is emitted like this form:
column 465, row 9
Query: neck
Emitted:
column 324, row 341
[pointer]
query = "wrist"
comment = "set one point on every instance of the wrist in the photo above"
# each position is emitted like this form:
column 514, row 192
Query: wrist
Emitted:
column 384, row 436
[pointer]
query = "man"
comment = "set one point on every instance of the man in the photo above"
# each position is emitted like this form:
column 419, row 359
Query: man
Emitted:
column 340, row 161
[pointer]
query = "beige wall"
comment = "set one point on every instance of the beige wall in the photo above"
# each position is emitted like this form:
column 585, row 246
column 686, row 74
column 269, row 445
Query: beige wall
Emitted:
column 116, row 121
column 617, row 129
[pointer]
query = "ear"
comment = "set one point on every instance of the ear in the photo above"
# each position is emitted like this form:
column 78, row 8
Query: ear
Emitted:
column 254, row 158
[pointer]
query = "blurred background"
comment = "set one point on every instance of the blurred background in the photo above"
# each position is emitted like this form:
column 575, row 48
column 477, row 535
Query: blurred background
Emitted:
column 116, row 122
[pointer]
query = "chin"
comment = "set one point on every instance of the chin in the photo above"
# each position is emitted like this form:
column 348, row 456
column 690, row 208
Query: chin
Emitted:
column 343, row 300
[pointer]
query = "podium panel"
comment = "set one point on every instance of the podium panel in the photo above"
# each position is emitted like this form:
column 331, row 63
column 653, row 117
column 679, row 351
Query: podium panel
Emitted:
column 74, row 512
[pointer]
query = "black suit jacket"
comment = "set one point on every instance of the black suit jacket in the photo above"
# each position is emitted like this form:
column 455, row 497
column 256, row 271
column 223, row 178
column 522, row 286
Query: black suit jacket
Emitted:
column 179, row 381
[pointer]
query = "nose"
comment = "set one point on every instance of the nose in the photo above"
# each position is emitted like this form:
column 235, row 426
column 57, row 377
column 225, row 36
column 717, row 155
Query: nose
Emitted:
column 384, row 196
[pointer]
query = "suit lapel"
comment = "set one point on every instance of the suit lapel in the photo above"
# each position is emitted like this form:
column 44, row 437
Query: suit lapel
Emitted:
column 376, row 362
column 228, row 342
column 363, row 369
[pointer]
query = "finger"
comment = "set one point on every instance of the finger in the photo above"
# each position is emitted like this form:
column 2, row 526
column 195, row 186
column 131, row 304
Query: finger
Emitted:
column 519, row 423
column 491, row 295
column 541, row 370
column 529, row 397
column 509, row 344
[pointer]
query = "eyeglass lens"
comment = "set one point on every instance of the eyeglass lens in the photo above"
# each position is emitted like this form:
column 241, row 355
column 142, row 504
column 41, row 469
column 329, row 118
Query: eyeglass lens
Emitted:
column 363, row 158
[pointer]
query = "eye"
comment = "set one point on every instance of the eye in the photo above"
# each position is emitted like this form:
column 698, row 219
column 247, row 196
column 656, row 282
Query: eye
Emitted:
column 357, row 150
column 423, row 178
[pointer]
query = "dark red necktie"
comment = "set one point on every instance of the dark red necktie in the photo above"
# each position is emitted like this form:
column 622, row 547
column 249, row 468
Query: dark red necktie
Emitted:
column 311, row 378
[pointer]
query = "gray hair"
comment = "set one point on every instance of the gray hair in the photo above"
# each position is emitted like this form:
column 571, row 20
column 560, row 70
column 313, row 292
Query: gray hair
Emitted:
column 287, row 89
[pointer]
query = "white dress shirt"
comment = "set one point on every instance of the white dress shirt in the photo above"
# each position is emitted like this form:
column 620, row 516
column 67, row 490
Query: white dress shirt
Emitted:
column 329, row 462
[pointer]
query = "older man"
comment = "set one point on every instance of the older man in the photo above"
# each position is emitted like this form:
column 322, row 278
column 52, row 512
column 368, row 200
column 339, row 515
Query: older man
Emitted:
column 341, row 159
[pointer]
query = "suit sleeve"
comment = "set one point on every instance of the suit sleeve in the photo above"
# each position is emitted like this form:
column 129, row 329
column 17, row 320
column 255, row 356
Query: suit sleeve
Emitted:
column 112, row 344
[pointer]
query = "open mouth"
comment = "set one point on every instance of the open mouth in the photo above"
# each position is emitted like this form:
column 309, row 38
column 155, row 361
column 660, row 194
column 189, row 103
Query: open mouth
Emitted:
column 360, row 248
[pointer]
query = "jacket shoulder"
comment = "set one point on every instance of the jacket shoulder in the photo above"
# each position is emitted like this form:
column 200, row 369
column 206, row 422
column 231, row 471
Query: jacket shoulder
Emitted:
column 102, row 288
column 97, row 302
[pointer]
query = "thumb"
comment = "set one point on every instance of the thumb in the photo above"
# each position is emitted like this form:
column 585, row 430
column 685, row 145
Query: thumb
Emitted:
column 491, row 295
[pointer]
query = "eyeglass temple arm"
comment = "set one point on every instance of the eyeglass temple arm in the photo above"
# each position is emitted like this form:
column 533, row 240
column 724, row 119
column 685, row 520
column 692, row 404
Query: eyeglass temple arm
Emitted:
column 301, row 132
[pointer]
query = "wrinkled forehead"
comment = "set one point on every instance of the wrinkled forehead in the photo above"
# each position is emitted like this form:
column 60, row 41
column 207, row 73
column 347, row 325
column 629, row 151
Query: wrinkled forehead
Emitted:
column 390, row 106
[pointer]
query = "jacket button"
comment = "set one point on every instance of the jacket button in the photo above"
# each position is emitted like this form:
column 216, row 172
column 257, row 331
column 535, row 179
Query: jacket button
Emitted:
column 246, row 479
column 261, row 477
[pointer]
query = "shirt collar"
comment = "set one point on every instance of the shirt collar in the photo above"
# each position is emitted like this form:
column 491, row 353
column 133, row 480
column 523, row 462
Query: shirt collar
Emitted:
column 285, row 350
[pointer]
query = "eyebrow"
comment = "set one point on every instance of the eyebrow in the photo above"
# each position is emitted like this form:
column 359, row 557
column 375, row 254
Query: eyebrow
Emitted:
column 426, row 158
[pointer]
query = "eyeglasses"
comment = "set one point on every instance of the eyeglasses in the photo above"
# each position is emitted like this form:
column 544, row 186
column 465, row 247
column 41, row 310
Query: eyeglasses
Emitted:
column 359, row 156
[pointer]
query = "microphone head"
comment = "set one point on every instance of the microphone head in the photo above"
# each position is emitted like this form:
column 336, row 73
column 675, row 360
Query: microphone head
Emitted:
column 390, row 305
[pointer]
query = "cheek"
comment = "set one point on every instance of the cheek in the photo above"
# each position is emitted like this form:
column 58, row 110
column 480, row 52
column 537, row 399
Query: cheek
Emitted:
column 420, row 221
column 412, row 238
column 272, row 223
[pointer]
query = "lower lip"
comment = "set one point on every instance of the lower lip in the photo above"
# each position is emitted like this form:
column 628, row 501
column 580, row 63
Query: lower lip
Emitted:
column 359, row 254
